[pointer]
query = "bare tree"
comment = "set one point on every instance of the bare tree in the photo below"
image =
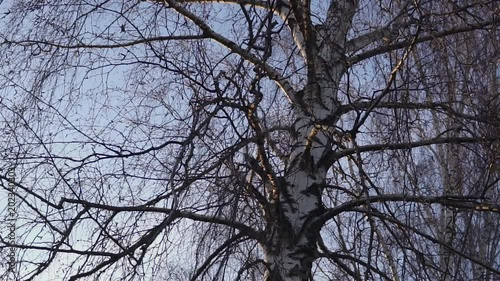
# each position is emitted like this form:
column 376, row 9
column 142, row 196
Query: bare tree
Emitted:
column 456, row 73
column 250, row 140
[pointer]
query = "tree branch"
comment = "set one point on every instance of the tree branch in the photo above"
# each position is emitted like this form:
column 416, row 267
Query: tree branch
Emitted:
column 409, row 145
column 444, row 107
column 272, row 73
column 434, row 240
column 282, row 8
column 104, row 46
column 420, row 39
column 175, row 214
column 461, row 202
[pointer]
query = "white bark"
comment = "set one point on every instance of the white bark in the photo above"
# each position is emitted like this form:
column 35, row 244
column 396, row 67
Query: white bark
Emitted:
column 292, row 241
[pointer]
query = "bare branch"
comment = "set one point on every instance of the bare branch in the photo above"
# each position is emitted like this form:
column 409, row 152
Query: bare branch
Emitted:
column 207, row 31
column 422, row 38
column 409, row 145
column 460, row 202
column 174, row 214
column 27, row 43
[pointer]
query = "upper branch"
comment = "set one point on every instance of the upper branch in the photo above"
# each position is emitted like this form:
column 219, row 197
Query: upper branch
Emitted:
column 435, row 106
column 272, row 73
column 422, row 38
column 408, row 145
column 461, row 202
column 30, row 42
column 289, row 13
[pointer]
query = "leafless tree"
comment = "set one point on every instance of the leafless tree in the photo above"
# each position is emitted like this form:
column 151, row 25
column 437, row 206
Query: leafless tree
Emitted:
column 250, row 140
column 458, row 74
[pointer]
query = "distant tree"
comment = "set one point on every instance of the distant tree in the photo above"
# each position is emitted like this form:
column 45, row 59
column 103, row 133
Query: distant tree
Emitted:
column 457, row 74
column 250, row 140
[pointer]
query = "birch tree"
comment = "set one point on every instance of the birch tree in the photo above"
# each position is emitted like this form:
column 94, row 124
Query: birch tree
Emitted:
column 241, row 140
column 455, row 169
column 463, row 79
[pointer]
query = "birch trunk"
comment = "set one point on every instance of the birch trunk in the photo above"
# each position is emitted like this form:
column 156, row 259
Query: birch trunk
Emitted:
column 293, row 234
column 451, row 176
column 450, row 168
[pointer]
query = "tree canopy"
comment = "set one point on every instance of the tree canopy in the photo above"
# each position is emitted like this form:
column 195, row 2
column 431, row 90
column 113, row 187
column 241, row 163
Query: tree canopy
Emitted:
column 275, row 140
